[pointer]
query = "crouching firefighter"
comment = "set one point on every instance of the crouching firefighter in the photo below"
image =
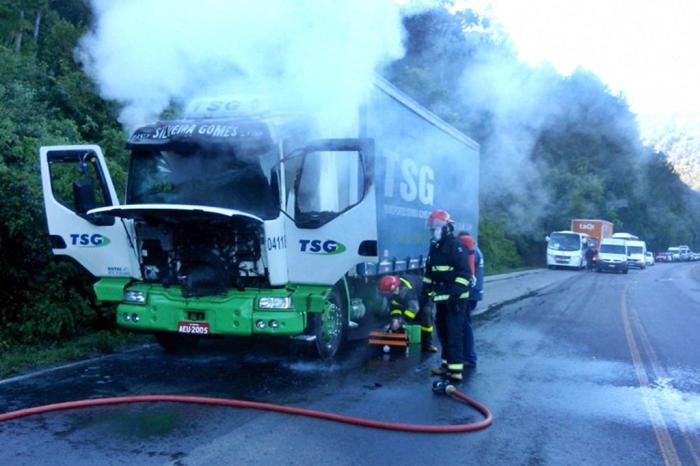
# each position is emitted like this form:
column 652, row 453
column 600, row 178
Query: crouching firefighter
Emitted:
column 446, row 280
column 408, row 305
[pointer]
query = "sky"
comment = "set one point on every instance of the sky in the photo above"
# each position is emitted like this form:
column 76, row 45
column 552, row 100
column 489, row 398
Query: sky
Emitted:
column 644, row 49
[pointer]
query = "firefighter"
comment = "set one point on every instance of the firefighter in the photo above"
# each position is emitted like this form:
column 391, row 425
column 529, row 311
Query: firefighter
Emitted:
column 446, row 280
column 408, row 305
column 476, row 284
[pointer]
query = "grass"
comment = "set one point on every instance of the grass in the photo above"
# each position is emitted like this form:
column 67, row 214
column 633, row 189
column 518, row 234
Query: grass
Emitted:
column 22, row 358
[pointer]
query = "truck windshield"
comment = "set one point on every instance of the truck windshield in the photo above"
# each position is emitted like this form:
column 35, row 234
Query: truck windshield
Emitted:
column 214, row 176
column 634, row 250
column 565, row 242
column 612, row 248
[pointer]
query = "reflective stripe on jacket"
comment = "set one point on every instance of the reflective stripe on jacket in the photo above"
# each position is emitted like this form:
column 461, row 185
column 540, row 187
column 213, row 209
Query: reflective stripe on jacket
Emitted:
column 447, row 270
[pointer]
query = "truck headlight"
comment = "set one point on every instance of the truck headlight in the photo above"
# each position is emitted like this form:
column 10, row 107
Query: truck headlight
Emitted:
column 135, row 297
column 274, row 302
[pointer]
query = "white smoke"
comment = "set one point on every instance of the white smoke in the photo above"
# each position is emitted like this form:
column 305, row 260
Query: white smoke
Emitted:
column 520, row 103
column 311, row 55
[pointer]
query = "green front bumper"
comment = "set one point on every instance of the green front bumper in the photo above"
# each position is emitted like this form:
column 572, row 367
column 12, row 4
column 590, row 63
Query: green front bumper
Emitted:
column 234, row 313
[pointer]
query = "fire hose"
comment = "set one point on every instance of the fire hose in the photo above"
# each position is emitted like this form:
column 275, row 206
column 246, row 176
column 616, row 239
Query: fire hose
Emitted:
column 435, row 429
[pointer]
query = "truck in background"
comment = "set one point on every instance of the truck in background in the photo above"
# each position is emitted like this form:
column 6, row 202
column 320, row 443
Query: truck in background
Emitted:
column 567, row 249
column 246, row 221
column 597, row 230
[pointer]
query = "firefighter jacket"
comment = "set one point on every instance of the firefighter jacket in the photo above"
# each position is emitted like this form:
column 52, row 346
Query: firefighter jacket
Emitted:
column 405, row 304
column 447, row 270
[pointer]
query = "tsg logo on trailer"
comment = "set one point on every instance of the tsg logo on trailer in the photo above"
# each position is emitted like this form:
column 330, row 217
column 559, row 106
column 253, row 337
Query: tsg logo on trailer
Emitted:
column 317, row 246
column 86, row 240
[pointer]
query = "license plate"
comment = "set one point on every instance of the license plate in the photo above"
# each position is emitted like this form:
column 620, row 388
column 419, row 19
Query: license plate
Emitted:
column 194, row 328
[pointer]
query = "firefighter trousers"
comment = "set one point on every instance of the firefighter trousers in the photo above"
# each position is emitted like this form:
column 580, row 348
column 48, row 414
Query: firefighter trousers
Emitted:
column 425, row 317
column 449, row 320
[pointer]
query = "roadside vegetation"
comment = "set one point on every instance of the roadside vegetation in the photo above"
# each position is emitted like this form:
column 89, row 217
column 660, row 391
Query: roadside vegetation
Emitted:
column 577, row 154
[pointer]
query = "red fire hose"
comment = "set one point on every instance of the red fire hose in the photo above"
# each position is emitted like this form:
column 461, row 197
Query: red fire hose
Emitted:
column 488, row 418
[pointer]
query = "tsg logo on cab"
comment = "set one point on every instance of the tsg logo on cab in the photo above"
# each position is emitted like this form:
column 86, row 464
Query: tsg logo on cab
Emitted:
column 317, row 246
column 86, row 240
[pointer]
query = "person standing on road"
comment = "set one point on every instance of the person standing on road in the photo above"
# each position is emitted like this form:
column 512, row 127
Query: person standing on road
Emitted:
column 475, row 295
column 408, row 305
column 590, row 254
column 447, row 281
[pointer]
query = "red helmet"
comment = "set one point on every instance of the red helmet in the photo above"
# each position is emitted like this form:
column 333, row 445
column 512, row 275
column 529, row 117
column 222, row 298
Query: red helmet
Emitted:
column 389, row 283
column 439, row 218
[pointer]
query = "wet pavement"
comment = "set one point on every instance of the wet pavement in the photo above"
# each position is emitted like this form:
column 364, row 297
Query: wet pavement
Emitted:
column 591, row 369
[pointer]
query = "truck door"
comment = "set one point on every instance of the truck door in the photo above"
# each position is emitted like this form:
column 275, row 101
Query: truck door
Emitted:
column 332, row 210
column 75, row 180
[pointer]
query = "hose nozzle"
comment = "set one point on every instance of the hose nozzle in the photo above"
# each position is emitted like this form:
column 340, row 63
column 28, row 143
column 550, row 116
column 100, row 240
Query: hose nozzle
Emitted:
column 443, row 387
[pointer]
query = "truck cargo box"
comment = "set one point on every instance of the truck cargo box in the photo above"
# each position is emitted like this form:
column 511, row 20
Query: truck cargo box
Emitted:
column 421, row 164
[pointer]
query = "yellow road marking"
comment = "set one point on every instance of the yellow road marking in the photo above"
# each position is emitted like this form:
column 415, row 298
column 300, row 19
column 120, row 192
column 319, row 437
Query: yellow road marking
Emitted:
column 663, row 437
column 655, row 362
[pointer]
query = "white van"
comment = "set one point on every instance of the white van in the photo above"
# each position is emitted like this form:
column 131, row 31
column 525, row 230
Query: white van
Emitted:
column 675, row 253
column 612, row 255
column 636, row 252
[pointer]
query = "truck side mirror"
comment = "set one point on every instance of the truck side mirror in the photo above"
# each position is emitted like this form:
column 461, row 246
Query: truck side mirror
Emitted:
column 546, row 238
column 84, row 195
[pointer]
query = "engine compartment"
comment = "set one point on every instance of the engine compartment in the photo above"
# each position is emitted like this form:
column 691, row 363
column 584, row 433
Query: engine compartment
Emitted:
column 203, row 257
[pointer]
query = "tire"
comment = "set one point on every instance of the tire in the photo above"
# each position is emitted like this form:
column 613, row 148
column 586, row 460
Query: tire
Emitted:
column 331, row 325
column 177, row 343
column 599, row 270
column 625, row 270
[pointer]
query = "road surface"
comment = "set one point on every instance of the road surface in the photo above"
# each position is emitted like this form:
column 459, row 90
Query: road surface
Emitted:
column 586, row 369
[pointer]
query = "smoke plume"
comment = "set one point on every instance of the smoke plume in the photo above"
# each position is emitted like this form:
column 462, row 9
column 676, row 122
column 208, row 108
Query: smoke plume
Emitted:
column 310, row 55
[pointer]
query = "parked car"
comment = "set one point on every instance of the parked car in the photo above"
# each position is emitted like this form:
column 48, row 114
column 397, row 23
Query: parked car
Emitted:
column 695, row 256
column 649, row 258
column 664, row 257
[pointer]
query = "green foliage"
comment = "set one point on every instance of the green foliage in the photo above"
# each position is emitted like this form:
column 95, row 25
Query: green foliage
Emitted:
column 500, row 251
column 45, row 99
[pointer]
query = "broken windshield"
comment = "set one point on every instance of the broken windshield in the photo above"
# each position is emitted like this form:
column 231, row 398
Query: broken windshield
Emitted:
column 226, row 176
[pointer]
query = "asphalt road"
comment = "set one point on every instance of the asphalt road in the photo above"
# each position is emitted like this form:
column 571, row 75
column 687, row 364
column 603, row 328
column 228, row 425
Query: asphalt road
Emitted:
column 594, row 369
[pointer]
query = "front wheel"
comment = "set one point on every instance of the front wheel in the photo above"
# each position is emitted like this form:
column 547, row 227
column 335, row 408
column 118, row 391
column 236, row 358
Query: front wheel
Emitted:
column 330, row 325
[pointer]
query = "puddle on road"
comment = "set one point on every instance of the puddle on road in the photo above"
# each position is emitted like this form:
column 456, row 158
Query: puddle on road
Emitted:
column 597, row 389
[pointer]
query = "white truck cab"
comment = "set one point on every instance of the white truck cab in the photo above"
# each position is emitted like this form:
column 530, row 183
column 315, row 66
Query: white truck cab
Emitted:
column 567, row 249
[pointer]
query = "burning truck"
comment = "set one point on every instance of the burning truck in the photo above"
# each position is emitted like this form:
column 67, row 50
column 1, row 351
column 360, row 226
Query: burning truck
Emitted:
column 243, row 221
